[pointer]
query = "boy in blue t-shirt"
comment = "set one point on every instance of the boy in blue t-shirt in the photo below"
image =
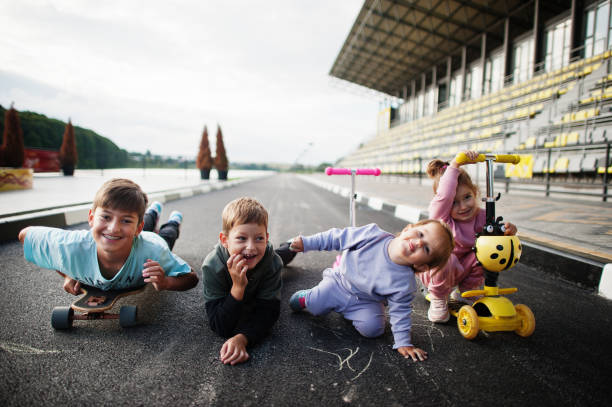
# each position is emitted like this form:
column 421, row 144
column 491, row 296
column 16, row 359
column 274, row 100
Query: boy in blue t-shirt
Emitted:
column 115, row 253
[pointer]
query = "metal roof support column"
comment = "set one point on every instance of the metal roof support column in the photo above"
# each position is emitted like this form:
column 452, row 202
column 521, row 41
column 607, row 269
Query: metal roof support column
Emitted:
column 576, row 22
column 463, row 62
column 483, row 59
column 507, row 60
column 538, row 37
column 449, row 63
column 423, row 80
column 434, row 86
column 413, row 98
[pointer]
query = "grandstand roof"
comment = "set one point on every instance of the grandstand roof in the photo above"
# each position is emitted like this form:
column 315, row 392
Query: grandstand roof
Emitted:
column 395, row 41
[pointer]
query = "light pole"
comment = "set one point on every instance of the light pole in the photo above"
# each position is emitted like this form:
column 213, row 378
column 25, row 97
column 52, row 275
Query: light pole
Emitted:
column 308, row 146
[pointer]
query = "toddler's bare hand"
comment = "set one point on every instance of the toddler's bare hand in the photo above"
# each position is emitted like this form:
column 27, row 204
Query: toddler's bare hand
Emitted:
column 413, row 352
column 297, row 245
column 510, row 229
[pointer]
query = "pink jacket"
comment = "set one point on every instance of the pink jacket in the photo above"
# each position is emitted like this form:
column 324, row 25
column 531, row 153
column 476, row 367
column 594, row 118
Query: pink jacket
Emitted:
column 464, row 232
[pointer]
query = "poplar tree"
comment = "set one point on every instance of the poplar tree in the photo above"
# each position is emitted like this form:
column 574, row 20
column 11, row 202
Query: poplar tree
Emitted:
column 68, row 152
column 12, row 151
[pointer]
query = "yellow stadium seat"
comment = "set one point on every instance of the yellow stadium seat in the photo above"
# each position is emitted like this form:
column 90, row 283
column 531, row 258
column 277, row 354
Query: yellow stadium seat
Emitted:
column 572, row 138
column 561, row 165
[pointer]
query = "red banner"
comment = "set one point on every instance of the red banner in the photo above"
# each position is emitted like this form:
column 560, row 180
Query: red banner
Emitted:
column 42, row 160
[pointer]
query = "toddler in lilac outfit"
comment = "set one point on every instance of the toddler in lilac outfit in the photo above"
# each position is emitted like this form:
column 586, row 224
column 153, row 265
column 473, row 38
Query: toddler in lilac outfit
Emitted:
column 376, row 269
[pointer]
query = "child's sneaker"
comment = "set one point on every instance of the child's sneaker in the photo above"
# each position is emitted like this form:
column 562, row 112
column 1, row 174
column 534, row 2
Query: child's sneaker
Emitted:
column 154, row 210
column 297, row 302
column 156, row 207
column 176, row 217
column 285, row 253
column 438, row 310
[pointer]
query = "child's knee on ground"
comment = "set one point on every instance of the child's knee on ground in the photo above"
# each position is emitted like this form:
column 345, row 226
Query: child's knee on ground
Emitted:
column 371, row 328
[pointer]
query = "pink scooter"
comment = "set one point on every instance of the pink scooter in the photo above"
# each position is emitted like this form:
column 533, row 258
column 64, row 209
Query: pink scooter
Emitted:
column 353, row 196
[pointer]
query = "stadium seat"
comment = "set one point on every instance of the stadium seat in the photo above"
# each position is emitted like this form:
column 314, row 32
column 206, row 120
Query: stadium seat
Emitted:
column 589, row 163
column 539, row 163
column 561, row 165
column 575, row 162
column 572, row 138
column 598, row 136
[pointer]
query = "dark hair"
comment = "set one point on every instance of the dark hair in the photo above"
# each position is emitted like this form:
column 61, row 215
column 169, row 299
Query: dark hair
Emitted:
column 123, row 194
column 436, row 168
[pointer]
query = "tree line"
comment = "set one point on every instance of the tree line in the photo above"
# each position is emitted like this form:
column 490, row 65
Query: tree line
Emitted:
column 94, row 151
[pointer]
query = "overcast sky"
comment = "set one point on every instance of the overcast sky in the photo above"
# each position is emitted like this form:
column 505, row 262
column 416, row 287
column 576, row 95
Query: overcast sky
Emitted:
column 151, row 74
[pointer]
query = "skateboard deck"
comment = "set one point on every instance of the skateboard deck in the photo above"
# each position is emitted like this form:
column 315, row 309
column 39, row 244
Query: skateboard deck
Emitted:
column 93, row 304
column 96, row 300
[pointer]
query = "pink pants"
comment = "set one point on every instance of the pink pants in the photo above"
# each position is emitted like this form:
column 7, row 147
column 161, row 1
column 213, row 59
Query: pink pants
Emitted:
column 440, row 283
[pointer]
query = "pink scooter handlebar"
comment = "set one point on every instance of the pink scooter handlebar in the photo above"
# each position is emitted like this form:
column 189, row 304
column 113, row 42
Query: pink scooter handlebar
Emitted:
column 348, row 171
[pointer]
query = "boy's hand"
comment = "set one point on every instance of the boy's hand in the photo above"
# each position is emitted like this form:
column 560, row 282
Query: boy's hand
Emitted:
column 154, row 273
column 72, row 286
column 297, row 245
column 510, row 229
column 234, row 351
column 236, row 265
column 413, row 352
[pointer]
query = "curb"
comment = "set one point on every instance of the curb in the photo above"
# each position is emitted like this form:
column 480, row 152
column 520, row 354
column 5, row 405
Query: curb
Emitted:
column 584, row 269
column 72, row 215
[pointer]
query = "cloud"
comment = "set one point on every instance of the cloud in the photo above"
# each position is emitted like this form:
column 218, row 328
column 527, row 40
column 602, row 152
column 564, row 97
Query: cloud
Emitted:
column 151, row 74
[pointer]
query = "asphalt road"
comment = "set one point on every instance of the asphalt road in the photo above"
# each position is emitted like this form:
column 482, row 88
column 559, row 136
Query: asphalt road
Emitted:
column 172, row 357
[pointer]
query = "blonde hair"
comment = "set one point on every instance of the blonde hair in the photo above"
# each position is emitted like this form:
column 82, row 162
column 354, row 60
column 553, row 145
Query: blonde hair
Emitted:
column 122, row 194
column 446, row 246
column 436, row 168
column 242, row 211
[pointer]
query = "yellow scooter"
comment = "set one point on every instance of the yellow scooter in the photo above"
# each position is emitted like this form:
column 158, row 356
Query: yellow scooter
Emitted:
column 495, row 252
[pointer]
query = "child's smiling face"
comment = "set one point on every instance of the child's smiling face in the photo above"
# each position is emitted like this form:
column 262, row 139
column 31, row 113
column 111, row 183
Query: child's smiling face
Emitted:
column 465, row 206
column 417, row 245
column 249, row 240
column 114, row 230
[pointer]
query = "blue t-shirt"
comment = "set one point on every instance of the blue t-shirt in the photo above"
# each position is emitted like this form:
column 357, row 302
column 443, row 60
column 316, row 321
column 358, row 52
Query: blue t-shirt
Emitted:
column 73, row 252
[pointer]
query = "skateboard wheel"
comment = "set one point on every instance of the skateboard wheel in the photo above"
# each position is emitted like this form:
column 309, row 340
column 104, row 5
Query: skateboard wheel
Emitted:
column 467, row 322
column 128, row 315
column 527, row 319
column 61, row 317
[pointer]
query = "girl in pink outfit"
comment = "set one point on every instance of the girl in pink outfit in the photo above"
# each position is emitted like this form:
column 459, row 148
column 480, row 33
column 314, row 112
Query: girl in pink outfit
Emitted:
column 455, row 202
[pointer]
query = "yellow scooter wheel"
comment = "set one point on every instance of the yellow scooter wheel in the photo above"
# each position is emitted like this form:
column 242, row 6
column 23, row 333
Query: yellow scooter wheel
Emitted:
column 527, row 319
column 467, row 322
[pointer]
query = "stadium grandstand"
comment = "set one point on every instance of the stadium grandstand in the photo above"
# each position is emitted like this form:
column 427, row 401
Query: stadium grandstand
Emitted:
column 527, row 77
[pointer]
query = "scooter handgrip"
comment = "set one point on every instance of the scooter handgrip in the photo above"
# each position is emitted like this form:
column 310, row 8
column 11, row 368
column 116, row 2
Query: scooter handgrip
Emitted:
column 337, row 171
column 348, row 171
column 462, row 158
column 368, row 171
column 508, row 158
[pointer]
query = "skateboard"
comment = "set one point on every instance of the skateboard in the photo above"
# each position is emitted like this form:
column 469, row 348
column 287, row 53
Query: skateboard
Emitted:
column 93, row 304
